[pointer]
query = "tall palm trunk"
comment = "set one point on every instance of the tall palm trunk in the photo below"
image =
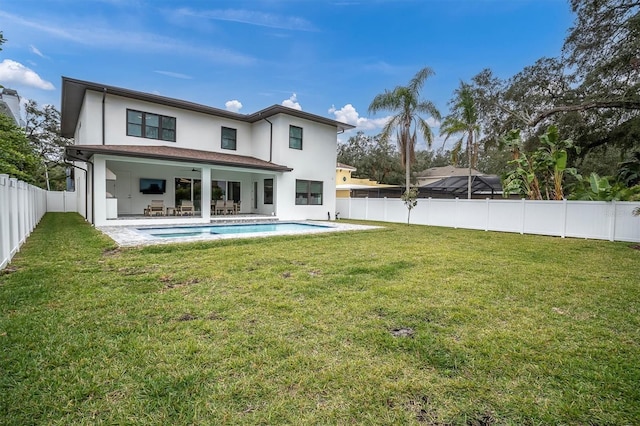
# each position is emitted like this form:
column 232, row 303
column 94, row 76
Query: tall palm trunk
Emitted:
column 407, row 159
column 469, row 156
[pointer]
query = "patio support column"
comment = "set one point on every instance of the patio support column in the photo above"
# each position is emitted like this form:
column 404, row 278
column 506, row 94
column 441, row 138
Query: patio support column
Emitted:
column 205, row 194
column 100, row 190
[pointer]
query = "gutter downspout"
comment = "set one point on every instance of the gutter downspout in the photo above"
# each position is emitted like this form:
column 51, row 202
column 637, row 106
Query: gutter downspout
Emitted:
column 104, row 95
column 93, row 197
column 270, row 139
column 86, row 186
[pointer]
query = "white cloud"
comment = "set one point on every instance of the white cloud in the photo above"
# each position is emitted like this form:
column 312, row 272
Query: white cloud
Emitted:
column 233, row 106
column 16, row 73
column 174, row 74
column 36, row 51
column 348, row 114
column 292, row 102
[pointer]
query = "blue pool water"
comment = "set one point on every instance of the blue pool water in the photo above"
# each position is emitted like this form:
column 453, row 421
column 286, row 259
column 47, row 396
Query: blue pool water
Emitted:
column 193, row 231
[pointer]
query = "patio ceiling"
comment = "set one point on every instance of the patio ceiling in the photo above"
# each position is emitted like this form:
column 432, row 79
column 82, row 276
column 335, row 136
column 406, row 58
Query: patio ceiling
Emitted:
column 85, row 152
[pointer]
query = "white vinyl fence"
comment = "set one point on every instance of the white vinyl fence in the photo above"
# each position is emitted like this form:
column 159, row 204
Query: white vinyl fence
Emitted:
column 21, row 208
column 611, row 221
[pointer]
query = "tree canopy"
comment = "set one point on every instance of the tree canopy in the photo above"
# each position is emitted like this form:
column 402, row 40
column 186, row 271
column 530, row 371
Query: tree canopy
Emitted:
column 43, row 132
column 17, row 159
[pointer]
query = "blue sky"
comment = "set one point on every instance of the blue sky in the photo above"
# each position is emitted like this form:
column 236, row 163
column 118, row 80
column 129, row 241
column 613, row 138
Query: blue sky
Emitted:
column 325, row 57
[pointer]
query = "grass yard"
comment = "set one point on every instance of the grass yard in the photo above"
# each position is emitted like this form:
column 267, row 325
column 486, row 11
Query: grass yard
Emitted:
column 403, row 325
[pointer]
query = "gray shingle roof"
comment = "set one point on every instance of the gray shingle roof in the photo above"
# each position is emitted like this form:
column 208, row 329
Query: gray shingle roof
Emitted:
column 73, row 91
column 84, row 153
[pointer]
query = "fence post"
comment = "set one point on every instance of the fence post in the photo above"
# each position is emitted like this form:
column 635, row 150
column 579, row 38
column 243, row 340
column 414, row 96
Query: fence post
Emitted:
column 384, row 214
column 5, row 233
column 563, row 234
column 612, row 221
column 366, row 208
column 486, row 225
column 455, row 216
column 13, row 215
column 524, row 206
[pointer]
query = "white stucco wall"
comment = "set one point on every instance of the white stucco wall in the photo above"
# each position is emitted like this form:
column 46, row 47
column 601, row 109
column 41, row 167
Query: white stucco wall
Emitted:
column 315, row 162
column 193, row 130
column 89, row 128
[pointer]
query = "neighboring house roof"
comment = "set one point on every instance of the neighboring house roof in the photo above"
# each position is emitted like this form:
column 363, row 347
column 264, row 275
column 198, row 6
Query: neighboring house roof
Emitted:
column 446, row 171
column 84, row 153
column 73, row 94
column 10, row 105
column 5, row 110
column 457, row 185
column 345, row 167
column 363, row 186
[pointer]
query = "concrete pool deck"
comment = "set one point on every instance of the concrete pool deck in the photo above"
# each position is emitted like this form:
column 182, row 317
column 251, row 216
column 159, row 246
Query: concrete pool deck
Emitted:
column 130, row 236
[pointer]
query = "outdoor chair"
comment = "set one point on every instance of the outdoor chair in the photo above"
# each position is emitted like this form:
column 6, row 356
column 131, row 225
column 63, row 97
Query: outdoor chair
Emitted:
column 229, row 207
column 186, row 208
column 156, row 208
column 220, row 208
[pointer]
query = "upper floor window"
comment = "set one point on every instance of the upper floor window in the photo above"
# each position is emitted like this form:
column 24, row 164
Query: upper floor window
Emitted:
column 228, row 138
column 152, row 126
column 308, row 192
column 295, row 137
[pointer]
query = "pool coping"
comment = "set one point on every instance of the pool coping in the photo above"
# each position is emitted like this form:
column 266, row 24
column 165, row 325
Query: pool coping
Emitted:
column 129, row 236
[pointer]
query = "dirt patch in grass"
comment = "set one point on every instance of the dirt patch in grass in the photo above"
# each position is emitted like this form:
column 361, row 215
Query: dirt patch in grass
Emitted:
column 171, row 283
column 187, row 317
column 111, row 251
column 214, row 316
column 403, row 332
column 485, row 419
column 10, row 269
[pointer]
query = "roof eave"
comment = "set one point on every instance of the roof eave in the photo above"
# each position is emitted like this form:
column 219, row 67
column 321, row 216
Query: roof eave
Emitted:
column 73, row 92
column 81, row 151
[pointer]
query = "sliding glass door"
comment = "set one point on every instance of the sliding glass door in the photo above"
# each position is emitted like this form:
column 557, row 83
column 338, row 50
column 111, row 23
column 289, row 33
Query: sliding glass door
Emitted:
column 225, row 190
column 189, row 189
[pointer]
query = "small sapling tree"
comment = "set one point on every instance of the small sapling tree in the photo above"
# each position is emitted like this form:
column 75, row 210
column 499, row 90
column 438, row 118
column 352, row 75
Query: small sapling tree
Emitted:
column 410, row 199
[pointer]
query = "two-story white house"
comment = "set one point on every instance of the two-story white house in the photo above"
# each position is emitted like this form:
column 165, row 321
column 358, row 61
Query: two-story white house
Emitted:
column 134, row 148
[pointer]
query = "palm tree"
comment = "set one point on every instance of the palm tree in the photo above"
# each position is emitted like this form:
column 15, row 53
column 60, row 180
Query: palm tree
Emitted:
column 405, row 103
column 463, row 120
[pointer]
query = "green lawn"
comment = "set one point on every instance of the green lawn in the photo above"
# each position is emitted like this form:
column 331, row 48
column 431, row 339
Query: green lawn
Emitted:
column 507, row 329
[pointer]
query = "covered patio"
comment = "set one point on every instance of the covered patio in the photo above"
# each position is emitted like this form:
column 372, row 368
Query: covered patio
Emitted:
column 146, row 184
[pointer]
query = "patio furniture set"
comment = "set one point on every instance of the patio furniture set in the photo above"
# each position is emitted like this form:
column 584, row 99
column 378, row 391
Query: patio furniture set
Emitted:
column 157, row 208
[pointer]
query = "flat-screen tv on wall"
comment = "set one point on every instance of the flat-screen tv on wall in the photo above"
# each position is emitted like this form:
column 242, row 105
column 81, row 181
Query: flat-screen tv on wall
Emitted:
column 153, row 186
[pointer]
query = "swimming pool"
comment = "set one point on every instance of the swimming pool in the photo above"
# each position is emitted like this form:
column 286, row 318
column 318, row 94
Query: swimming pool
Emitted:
column 129, row 236
column 194, row 231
